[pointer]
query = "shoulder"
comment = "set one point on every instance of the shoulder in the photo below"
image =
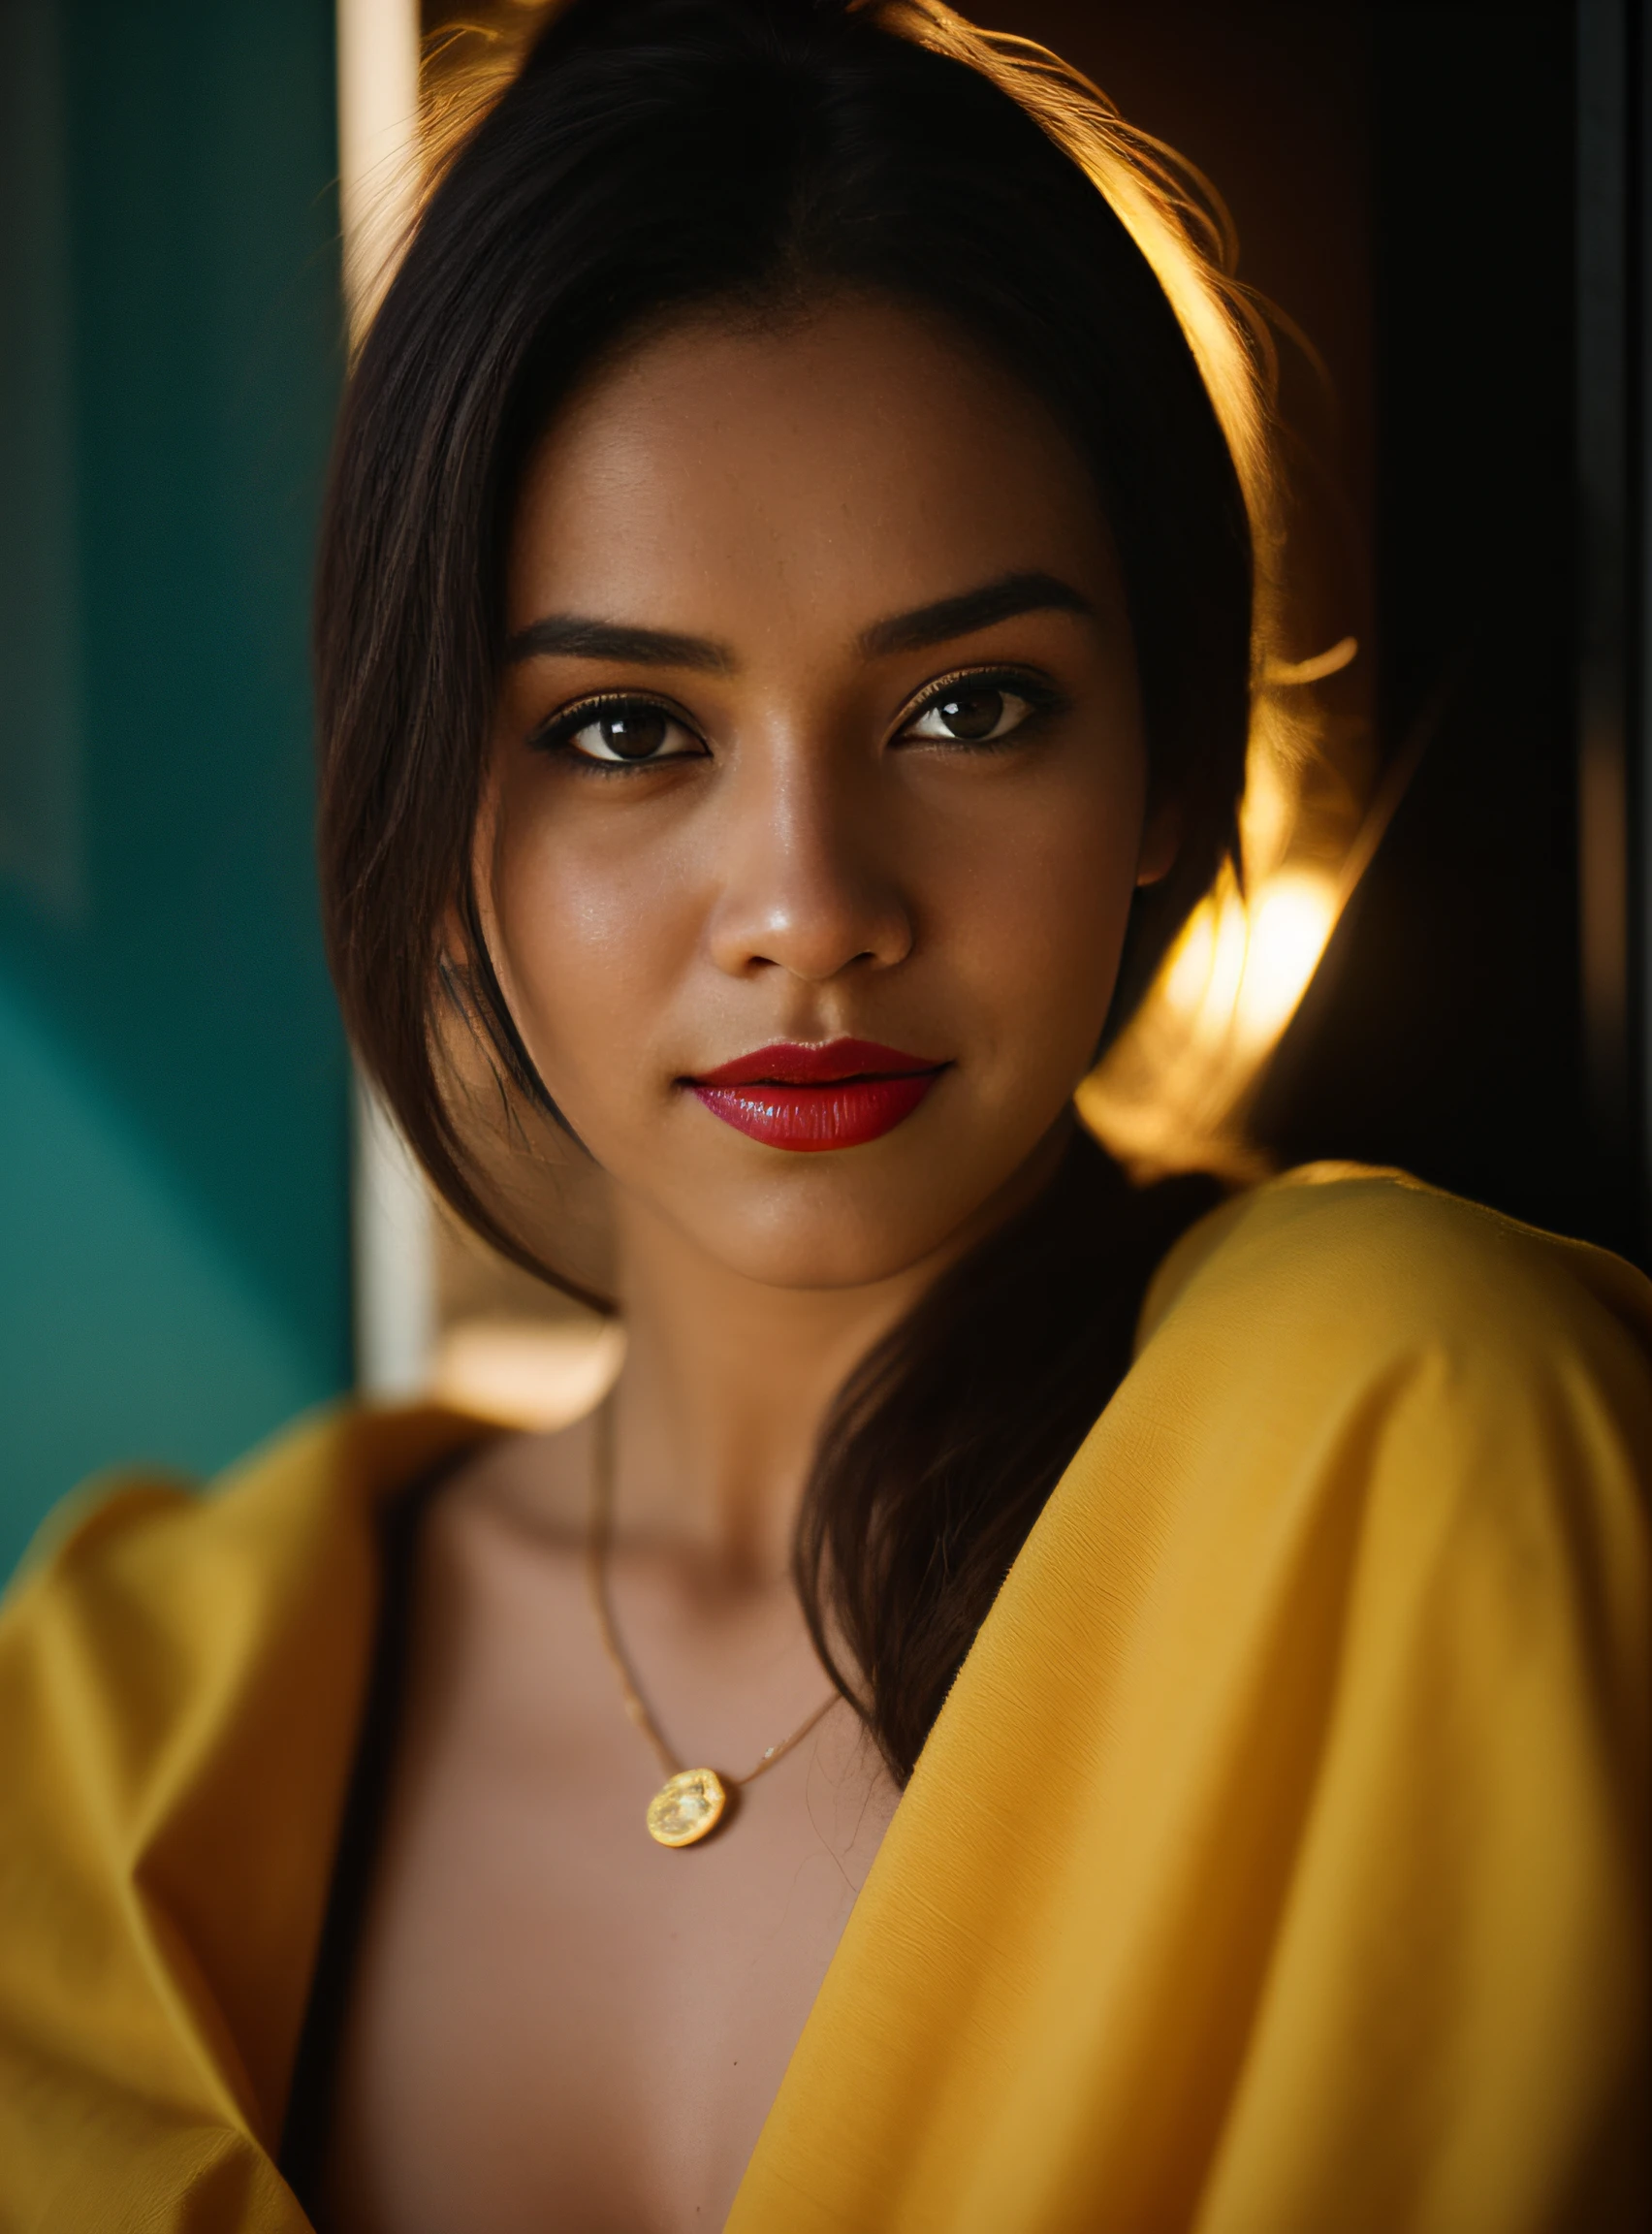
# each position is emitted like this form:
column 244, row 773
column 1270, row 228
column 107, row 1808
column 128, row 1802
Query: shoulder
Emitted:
column 1348, row 1268
column 145, row 1596
column 1461, row 1403
column 180, row 1676
column 161, row 1545
column 1339, row 1628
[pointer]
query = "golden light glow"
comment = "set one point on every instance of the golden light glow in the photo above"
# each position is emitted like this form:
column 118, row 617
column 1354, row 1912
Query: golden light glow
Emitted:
column 534, row 1374
column 1316, row 670
column 1172, row 1093
column 1287, row 929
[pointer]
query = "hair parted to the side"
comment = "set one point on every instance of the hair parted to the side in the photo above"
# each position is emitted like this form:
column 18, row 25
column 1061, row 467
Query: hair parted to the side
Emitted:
column 653, row 159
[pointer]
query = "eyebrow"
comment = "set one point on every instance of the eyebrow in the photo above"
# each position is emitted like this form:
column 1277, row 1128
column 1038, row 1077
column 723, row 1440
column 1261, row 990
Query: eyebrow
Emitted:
column 569, row 636
column 1004, row 599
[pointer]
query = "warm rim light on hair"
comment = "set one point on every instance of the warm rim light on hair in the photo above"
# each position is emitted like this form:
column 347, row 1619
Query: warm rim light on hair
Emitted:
column 1172, row 1091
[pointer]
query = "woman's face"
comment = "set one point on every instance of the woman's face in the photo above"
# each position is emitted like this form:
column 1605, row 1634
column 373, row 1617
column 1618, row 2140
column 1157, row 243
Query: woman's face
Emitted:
column 819, row 724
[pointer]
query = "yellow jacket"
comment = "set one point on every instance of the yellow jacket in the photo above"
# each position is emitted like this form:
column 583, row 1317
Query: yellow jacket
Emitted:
column 1275, row 1867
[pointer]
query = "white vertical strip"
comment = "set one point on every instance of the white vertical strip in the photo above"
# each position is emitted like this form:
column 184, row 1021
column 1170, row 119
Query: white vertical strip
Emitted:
column 395, row 1258
column 393, row 1230
column 378, row 142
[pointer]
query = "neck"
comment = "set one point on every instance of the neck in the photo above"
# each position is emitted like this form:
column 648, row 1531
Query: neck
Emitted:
column 726, row 1385
column 728, row 1382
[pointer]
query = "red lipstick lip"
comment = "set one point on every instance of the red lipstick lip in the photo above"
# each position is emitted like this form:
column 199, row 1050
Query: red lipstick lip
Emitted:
column 825, row 1063
column 839, row 1094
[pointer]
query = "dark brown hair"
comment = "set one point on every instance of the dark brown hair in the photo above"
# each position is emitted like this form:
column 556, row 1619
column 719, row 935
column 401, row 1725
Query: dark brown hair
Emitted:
column 653, row 158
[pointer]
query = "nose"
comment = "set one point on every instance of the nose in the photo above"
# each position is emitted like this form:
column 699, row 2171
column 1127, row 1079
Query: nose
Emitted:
column 807, row 882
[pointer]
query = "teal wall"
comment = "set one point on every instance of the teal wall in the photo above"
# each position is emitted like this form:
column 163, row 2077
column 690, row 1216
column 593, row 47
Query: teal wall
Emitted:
column 174, row 1215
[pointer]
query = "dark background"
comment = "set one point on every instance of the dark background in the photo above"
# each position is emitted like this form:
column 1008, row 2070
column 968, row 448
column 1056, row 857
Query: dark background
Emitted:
column 1446, row 199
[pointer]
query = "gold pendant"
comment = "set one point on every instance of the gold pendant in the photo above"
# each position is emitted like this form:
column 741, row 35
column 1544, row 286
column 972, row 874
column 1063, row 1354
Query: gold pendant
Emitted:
column 686, row 1807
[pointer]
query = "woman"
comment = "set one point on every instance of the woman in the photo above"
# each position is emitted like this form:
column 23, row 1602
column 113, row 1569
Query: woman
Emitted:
column 796, row 561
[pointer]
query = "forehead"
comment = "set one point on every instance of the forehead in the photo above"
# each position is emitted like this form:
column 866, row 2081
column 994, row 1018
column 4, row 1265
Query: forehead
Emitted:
column 855, row 462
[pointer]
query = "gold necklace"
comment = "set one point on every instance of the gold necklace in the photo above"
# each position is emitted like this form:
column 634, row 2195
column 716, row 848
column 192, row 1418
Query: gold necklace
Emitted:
column 691, row 1801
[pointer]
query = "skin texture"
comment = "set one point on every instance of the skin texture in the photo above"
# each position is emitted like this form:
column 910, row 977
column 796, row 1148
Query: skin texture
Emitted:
column 557, row 2023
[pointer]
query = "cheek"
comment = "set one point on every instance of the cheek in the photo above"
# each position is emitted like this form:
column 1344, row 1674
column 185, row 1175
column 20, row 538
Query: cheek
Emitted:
column 1038, row 914
column 595, row 937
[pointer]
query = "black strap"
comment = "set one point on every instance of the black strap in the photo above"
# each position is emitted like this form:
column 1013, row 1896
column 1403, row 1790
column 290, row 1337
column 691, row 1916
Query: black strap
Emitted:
column 305, row 2134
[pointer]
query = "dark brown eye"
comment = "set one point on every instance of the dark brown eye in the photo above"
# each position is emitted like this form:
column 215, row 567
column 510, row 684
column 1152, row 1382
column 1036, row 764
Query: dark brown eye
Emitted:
column 969, row 714
column 624, row 731
column 633, row 732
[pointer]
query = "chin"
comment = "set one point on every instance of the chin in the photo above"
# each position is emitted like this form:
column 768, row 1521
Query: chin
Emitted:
column 835, row 1228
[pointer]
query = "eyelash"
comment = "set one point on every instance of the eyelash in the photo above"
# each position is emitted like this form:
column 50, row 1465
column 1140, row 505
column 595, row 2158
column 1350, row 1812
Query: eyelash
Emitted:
column 1042, row 700
column 556, row 734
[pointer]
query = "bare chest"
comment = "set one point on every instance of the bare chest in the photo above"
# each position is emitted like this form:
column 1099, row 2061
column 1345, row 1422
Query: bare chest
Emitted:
column 555, row 2022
